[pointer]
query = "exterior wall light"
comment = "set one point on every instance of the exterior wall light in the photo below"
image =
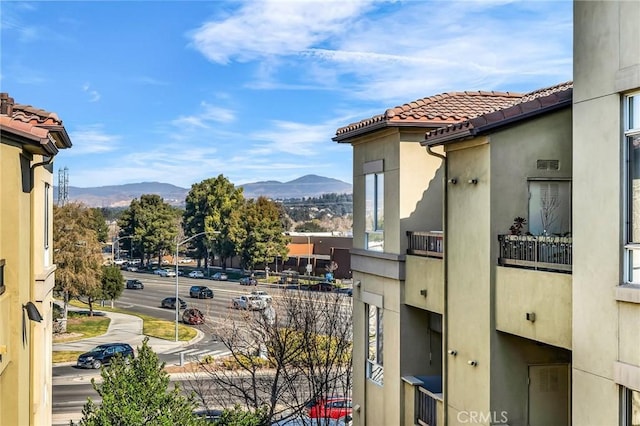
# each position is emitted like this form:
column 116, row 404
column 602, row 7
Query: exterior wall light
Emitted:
column 531, row 316
column 453, row 181
column 423, row 292
column 473, row 181
column 32, row 312
column 452, row 352
column 472, row 362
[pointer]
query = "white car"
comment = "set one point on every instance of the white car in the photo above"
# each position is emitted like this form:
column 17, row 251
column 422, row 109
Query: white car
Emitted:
column 249, row 302
column 263, row 295
column 165, row 272
column 196, row 274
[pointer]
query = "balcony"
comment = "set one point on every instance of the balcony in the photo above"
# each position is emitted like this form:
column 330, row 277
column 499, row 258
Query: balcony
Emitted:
column 427, row 244
column 424, row 400
column 536, row 252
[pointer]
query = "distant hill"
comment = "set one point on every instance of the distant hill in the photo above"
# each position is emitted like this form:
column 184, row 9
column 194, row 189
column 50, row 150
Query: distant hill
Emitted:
column 121, row 195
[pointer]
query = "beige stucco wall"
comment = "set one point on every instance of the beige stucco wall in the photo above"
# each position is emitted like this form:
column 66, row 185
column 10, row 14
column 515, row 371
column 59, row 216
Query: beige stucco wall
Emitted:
column 606, row 65
column 424, row 273
column 547, row 294
column 468, row 266
column 25, row 369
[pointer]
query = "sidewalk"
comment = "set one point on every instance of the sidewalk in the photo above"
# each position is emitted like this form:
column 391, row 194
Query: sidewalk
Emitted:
column 123, row 328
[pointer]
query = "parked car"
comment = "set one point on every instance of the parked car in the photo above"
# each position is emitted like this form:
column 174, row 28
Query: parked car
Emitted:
column 220, row 276
column 201, row 292
column 132, row 268
column 170, row 273
column 249, row 302
column 263, row 295
column 248, row 281
column 344, row 290
column 170, row 302
column 196, row 274
column 193, row 316
column 103, row 354
column 334, row 408
column 135, row 284
column 323, row 286
column 161, row 272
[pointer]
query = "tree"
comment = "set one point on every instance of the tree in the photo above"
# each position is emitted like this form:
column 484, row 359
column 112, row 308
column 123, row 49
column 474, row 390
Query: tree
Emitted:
column 264, row 233
column 214, row 205
column 100, row 225
column 77, row 252
column 297, row 350
column 112, row 283
column 136, row 392
column 153, row 224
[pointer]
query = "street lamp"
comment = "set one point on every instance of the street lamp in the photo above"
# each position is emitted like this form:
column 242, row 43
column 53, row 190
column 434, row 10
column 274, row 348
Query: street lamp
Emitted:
column 114, row 242
column 178, row 244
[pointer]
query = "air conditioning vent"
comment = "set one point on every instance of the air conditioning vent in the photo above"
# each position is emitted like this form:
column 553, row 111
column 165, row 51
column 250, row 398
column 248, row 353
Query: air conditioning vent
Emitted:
column 548, row 165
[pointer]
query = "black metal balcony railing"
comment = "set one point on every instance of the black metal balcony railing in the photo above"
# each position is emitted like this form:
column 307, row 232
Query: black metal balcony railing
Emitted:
column 536, row 252
column 426, row 411
column 426, row 243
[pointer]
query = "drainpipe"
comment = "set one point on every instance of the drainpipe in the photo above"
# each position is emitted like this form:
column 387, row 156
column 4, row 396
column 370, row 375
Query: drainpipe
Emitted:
column 445, row 315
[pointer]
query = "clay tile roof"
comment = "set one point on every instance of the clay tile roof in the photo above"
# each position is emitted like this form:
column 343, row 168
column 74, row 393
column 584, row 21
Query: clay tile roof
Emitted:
column 41, row 127
column 533, row 103
column 433, row 111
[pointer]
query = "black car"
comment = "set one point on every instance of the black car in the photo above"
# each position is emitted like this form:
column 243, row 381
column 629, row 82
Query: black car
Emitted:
column 135, row 284
column 201, row 292
column 103, row 354
column 170, row 302
column 323, row 286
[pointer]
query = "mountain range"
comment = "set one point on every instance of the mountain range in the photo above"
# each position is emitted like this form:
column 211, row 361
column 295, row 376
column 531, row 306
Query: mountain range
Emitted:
column 121, row 195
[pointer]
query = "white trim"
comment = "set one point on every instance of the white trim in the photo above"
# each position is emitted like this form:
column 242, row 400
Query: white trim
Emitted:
column 627, row 375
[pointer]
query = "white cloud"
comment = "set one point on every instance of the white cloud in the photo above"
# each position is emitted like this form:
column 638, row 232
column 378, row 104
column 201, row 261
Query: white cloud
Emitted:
column 208, row 115
column 92, row 140
column 264, row 28
column 395, row 51
column 94, row 96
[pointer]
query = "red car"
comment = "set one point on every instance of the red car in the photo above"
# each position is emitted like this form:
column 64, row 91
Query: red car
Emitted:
column 193, row 316
column 334, row 408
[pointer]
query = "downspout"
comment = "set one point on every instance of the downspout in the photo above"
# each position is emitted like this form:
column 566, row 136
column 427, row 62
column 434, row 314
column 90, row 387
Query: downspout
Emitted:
column 445, row 314
column 46, row 162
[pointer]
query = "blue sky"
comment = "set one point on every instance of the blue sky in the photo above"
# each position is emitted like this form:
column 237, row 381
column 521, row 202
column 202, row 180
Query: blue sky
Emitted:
column 179, row 92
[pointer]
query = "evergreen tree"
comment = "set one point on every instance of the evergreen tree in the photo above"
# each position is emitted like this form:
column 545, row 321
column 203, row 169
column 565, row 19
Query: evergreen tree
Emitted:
column 136, row 392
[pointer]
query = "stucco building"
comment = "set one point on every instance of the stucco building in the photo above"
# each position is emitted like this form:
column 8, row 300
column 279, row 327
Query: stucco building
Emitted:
column 493, row 260
column 29, row 140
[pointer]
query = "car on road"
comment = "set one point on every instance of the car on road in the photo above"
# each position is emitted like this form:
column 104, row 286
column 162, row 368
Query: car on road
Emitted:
column 249, row 302
column 209, row 415
column 104, row 354
column 193, row 316
column 135, row 285
column 170, row 302
column 333, row 408
column 201, row 292
column 196, row 274
column 132, row 268
column 248, row 281
column 220, row 276
column 165, row 272
column 263, row 295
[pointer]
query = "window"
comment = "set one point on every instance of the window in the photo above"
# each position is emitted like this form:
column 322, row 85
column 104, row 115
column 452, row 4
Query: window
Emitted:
column 374, row 214
column 630, row 407
column 632, row 188
column 2, row 288
column 550, row 207
column 375, row 343
column 47, row 188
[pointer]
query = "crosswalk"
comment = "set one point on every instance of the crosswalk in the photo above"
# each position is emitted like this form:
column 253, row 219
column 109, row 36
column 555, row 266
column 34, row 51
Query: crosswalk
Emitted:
column 198, row 353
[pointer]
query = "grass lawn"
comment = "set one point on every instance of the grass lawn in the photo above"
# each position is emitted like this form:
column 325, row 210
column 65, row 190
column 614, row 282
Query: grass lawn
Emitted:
column 65, row 356
column 152, row 327
column 84, row 327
